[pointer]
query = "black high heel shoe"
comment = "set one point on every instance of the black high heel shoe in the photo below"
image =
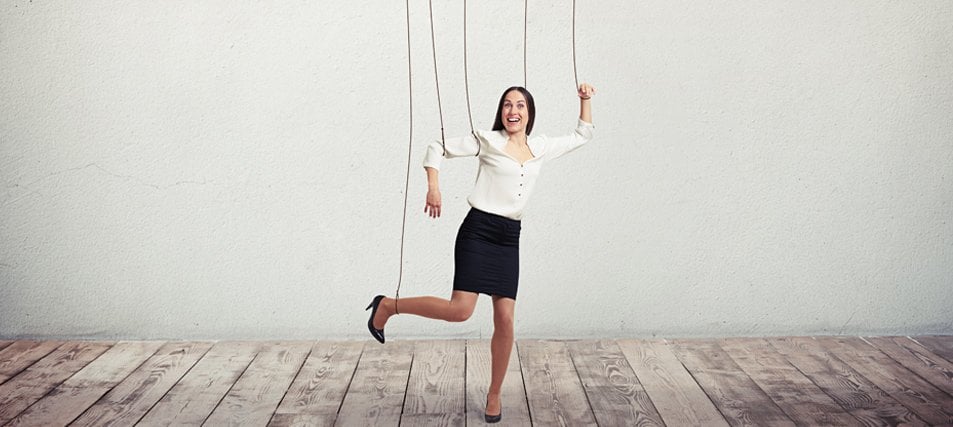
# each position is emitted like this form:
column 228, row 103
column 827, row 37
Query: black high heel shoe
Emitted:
column 378, row 334
column 490, row 419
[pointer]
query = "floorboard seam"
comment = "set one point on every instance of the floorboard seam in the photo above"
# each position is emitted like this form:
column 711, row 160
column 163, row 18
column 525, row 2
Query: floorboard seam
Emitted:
column 466, row 346
column 689, row 371
column 811, row 379
column 144, row 414
column 585, row 391
column 750, row 378
column 902, row 348
column 349, row 382
column 58, row 384
column 410, row 373
column 13, row 375
column 297, row 372
column 131, row 371
column 529, row 410
column 232, row 385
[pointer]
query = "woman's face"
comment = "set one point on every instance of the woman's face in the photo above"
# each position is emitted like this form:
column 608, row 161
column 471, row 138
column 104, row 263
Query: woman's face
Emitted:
column 514, row 113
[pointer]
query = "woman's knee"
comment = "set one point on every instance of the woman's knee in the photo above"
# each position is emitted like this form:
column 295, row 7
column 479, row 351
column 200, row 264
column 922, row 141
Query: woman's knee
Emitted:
column 503, row 320
column 462, row 305
column 460, row 314
column 503, row 314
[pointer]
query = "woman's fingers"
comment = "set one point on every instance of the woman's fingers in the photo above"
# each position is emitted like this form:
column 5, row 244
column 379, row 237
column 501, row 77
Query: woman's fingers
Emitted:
column 432, row 210
column 432, row 207
column 586, row 90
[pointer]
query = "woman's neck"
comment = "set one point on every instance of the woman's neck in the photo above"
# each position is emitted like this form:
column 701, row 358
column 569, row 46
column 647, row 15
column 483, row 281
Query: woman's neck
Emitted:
column 518, row 137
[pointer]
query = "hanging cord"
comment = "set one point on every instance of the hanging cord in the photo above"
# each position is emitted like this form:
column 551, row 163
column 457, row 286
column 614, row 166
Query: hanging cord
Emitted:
column 525, row 18
column 436, row 79
column 575, row 75
column 410, row 144
column 466, row 77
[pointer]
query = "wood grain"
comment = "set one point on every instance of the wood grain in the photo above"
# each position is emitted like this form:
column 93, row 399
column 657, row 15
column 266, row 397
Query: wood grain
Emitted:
column 435, row 420
column 301, row 420
column 318, row 390
column 794, row 393
column 614, row 392
column 436, row 385
column 856, row 394
column 513, row 394
column 555, row 395
column 23, row 390
column 21, row 354
column 376, row 395
column 129, row 400
column 921, row 397
column 257, row 393
column 197, row 393
column 738, row 398
column 814, row 381
column 675, row 394
column 941, row 345
column 5, row 343
column 935, row 369
column 71, row 398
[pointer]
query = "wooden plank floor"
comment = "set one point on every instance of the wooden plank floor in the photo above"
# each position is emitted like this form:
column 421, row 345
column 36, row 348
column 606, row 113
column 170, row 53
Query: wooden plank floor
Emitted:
column 783, row 381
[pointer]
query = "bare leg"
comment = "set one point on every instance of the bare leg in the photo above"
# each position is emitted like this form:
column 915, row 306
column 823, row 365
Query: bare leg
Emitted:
column 500, row 348
column 457, row 309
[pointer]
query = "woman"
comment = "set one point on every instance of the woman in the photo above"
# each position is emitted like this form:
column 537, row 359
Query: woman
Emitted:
column 486, row 256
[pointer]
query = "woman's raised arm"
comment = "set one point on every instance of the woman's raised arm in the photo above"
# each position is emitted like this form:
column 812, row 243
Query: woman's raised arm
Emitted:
column 585, row 92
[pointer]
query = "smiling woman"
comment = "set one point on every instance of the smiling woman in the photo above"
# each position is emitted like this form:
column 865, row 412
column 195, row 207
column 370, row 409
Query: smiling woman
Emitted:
column 486, row 254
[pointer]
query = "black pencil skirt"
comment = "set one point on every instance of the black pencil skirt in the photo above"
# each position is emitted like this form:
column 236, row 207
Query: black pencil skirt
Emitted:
column 487, row 255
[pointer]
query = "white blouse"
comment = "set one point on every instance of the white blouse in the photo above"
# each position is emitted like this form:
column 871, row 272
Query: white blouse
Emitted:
column 503, row 185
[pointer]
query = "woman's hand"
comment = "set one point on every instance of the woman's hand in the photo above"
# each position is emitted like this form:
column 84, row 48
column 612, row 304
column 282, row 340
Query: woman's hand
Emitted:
column 433, row 203
column 585, row 91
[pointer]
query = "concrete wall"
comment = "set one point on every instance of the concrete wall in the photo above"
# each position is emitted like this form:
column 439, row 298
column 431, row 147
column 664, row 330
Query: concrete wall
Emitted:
column 222, row 169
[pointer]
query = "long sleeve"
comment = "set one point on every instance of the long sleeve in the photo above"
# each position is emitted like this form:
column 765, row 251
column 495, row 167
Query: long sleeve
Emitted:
column 503, row 184
column 556, row 147
column 456, row 147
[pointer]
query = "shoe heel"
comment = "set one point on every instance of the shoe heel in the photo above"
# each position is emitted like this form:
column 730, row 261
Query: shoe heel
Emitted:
column 378, row 334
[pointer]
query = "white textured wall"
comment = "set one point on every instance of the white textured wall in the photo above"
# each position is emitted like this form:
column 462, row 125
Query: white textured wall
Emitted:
column 223, row 169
